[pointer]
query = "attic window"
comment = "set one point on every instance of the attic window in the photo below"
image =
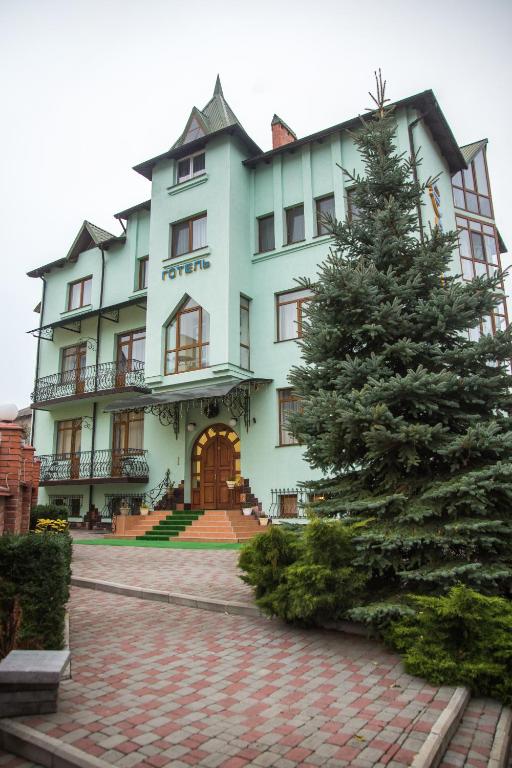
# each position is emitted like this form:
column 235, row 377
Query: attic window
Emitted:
column 191, row 166
column 194, row 131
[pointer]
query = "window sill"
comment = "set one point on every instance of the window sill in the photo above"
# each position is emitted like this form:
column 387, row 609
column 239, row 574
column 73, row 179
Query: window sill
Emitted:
column 289, row 445
column 76, row 311
column 303, row 245
column 138, row 293
column 295, row 242
column 283, row 341
column 198, row 253
column 189, row 184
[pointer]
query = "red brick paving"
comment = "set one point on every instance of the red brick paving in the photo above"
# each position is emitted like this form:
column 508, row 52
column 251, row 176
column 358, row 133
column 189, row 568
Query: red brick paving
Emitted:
column 154, row 685
column 211, row 573
column 472, row 743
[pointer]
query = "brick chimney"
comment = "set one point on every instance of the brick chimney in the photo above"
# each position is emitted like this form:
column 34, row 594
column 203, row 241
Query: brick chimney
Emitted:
column 281, row 133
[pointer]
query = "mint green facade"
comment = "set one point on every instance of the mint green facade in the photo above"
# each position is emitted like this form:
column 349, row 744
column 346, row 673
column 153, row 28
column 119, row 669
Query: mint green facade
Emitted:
column 239, row 185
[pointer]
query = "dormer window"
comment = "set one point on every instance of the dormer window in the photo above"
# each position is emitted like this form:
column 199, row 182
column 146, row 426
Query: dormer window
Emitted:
column 191, row 166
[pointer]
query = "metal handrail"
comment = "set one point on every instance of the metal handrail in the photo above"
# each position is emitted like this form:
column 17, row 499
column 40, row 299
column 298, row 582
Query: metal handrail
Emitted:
column 90, row 378
column 113, row 464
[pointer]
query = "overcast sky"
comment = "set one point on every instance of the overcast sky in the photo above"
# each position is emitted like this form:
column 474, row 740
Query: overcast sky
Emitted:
column 91, row 87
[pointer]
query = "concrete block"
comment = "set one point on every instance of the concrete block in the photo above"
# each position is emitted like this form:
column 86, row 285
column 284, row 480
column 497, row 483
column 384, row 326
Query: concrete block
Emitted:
column 155, row 594
column 33, row 667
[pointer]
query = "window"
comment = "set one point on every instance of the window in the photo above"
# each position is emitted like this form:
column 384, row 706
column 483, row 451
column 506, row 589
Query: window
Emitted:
column 69, row 435
column 193, row 165
column 266, row 237
column 288, row 403
column 188, row 339
column 195, row 131
column 480, row 257
column 245, row 356
column 324, row 207
column 471, row 187
column 131, row 346
column 353, row 212
column 73, row 504
column 142, row 279
column 288, row 505
column 128, row 431
column 295, row 224
column 289, row 313
column 80, row 293
column 72, row 368
column 188, row 235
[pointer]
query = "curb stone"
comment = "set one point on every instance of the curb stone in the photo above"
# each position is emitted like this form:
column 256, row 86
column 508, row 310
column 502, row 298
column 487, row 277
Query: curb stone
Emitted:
column 44, row 750
column 433, row 749
column 203, row 603
column 502, row 743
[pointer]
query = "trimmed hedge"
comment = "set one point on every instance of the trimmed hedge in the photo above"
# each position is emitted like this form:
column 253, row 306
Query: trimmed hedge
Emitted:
column 35, row 573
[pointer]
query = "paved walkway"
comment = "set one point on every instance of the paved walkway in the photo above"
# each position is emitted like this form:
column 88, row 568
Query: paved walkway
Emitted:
column 154, row 685
column 209, row 573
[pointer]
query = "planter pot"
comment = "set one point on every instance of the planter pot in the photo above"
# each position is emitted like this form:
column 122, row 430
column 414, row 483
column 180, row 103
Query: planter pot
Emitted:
column 230, row 484
column 263, row 521
column 247, row 511
column 144, row 510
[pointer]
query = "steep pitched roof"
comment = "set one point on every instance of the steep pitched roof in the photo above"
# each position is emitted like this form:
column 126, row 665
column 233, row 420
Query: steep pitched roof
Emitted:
column 470, row 151
column 89, row 236
column 215, row 116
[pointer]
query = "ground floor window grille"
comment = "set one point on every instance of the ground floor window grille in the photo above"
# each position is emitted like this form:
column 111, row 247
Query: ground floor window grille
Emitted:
column 114, row 502
column 73, row 504
column 289, row 502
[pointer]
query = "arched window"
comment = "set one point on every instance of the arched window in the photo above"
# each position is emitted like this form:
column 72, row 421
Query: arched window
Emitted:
column 187, row 339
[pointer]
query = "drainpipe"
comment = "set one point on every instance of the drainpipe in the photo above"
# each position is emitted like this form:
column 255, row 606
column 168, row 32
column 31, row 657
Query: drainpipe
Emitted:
column 33, row 430
column 94, row 405
column 410, row 128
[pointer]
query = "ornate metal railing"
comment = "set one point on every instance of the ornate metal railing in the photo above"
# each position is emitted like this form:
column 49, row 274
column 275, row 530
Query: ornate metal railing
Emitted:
column 116, row 465
column 289, row 502
column 89, row 379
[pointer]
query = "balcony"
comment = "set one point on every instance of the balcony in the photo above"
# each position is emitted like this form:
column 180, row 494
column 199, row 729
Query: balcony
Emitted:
column 89, row 381
column 90, row 467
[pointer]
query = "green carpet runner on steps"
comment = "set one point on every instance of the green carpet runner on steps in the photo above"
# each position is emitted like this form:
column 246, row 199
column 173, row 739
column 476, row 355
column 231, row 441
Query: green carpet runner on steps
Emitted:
column 171, row 526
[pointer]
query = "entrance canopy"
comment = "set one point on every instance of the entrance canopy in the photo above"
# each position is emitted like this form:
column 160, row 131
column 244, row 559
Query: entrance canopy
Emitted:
column 232, row 393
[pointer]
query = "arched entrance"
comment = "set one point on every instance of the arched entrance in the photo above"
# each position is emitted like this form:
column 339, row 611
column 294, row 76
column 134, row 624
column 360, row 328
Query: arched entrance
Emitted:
column 215, row 459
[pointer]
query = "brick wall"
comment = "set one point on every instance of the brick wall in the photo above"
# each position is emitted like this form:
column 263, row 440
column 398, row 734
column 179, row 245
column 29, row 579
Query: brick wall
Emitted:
column 19, row 479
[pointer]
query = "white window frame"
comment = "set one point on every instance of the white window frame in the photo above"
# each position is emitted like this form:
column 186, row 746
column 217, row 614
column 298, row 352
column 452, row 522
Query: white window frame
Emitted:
column 191, row 174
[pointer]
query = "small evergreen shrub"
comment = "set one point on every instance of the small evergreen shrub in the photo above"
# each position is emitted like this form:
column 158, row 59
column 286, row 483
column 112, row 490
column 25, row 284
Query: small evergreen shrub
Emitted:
column 35, row 573
column 308, row 578
column 462, row 638
column 47, row 511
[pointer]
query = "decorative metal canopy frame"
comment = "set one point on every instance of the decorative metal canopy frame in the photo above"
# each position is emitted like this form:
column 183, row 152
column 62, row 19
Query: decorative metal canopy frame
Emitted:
column 237, row 401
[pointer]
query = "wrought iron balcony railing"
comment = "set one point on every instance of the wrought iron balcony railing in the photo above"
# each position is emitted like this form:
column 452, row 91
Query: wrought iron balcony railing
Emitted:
column 128, row 465
column 105, row 377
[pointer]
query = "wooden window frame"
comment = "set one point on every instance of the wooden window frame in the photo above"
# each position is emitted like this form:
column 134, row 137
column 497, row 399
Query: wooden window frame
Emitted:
column 191, row 175
column 128, row 335
column 126, row 418
column 318, row 213
column 80, row 282
column 190, row 223
column 75, row 426
column 179, row 348
column 299, row 302
column 245, row 308
column 350, row 206
column 488, row 266
column 142, row 276
column 287, row 212
column 465, row 190
column 285, row 395
column 264, row 218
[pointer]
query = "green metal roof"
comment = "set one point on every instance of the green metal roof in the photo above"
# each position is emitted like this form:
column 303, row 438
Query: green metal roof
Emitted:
column 470, row 151
column 215, row 116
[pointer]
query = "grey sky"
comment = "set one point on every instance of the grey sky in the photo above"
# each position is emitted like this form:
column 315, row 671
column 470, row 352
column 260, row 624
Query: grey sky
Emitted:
column 91, row 87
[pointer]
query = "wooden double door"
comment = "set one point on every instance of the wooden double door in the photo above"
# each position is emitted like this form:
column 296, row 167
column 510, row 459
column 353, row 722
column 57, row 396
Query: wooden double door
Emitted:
column 215, row 459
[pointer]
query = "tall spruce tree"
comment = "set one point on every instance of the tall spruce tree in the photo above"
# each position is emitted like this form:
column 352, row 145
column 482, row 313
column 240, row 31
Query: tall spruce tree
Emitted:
column 407, row 417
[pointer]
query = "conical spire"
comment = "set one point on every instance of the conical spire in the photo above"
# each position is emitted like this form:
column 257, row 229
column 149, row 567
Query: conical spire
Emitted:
column 217, row 91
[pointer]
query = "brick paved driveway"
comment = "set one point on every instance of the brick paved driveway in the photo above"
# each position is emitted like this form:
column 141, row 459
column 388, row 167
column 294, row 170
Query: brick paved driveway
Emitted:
column 209, row 573
column 157, row 685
